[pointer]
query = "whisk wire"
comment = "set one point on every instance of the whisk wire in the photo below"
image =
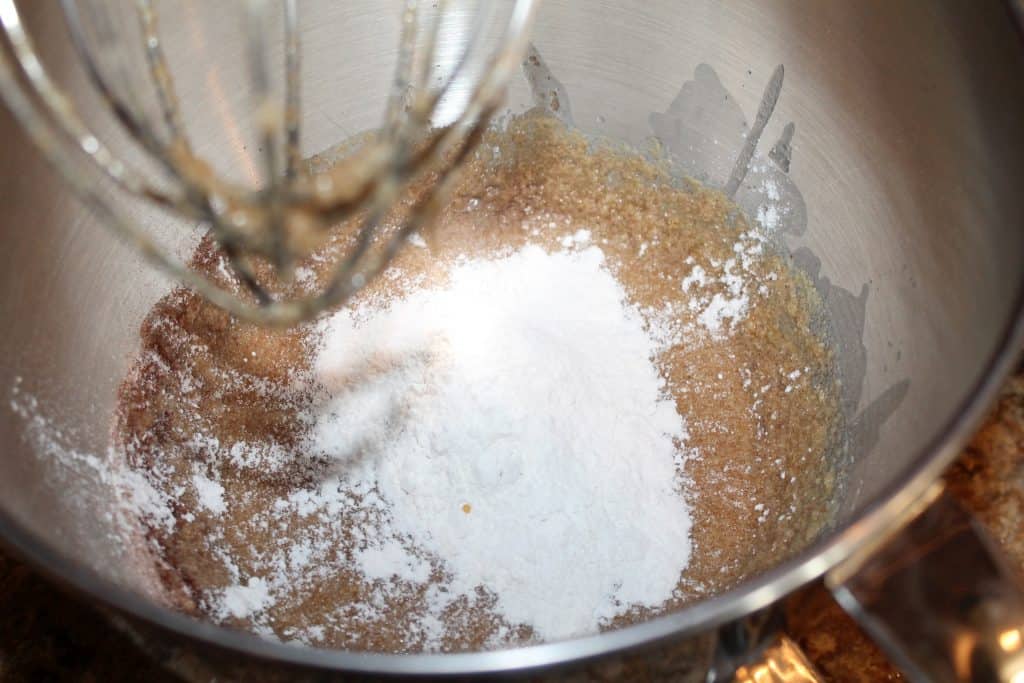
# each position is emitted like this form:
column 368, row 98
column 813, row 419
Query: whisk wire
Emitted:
column 292, row 81
column 402, row 81
column 160, row 73
column 270, row 125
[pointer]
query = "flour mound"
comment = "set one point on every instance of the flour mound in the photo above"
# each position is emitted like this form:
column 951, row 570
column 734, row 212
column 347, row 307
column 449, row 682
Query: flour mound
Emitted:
column 513, row 425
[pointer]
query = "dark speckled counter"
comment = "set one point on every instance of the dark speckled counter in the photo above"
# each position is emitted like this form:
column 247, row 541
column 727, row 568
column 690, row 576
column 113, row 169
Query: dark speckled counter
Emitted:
column 46, row 635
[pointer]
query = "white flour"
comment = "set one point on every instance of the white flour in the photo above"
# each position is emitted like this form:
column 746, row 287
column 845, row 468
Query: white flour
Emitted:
column 209, row 494
column 514, row 425
column 721, row 298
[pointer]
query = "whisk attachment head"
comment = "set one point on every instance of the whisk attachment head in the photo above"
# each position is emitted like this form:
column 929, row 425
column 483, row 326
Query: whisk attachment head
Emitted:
column 431, row 123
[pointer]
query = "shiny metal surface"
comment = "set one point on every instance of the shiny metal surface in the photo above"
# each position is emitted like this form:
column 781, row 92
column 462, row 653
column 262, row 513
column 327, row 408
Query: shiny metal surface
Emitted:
column 908, row 152
column 939, row 598
column 783, row 662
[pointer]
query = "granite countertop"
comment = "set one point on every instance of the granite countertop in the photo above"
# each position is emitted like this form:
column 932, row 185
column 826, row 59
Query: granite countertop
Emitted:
column 48, row 635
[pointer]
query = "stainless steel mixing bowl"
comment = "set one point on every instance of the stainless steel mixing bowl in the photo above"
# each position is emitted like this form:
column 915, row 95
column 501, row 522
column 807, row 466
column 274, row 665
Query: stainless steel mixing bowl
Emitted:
column 908, row 159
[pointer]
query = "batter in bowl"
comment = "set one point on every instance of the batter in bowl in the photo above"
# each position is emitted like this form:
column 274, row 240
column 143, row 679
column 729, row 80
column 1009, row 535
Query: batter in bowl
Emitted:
column 613, row 375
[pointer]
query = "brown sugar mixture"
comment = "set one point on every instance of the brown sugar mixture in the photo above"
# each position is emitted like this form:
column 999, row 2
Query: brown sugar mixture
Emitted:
column 215, row 412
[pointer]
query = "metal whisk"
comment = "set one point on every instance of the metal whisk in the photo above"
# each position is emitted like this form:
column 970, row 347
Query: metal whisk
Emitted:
column 291, row 213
